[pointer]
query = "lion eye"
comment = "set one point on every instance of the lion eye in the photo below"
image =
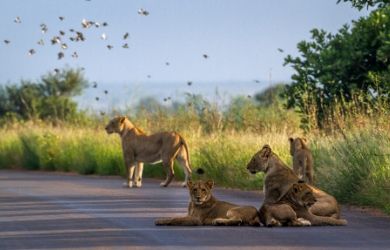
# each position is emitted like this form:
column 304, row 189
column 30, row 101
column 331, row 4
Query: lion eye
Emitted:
column 203, row 190
column 195, row 189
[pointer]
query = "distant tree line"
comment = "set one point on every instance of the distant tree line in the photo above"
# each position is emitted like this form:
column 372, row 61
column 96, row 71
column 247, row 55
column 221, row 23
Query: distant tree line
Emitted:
column 50, row 98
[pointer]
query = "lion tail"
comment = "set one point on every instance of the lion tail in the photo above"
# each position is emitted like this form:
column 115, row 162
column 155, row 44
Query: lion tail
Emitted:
column 184, row 143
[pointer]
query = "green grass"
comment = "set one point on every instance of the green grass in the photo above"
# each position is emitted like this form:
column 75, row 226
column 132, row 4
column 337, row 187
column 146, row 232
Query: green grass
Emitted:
column 354, row 167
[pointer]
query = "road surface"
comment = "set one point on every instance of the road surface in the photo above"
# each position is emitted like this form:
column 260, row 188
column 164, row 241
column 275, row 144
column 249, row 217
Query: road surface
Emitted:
column 41, row 210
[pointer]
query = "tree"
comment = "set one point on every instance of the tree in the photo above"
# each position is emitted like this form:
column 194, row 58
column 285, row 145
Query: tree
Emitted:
column 360, row 4
column 49, row 98
column 335, row 69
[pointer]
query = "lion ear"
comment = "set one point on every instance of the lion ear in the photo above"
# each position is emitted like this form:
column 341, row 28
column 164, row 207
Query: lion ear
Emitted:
column 210, row 184
column 189, row 184
column 291, row 140
column 122, row 119
column 266, row 151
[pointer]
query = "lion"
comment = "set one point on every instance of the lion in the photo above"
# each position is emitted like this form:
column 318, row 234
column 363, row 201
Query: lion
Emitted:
column 204, row 209
column 293, row 210
column 279, row 178
column 139, row 148
column 302, row 159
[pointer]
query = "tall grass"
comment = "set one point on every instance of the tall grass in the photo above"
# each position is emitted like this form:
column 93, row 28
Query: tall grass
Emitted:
column 355, row 167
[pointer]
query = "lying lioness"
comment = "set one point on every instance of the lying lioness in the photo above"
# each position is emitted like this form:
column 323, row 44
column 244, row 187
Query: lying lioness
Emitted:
column 293, row 210
column 138, row 148
column 279, row 178
column 205, row 209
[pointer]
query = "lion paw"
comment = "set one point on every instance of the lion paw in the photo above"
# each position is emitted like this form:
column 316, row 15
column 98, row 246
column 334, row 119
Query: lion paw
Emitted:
column 127, row 184
column 304, row 222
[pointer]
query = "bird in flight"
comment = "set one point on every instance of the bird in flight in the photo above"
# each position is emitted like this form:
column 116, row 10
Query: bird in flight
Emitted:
column 31, row 52
column 17, row 20
column 143, row 12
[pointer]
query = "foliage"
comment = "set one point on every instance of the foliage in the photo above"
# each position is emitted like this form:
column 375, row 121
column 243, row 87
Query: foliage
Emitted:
column 333, row 71
column 360, row 4
column 47, row 99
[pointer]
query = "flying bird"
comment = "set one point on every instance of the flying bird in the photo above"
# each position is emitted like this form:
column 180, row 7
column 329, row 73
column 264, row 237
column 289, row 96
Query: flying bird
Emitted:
column 125, row 46
column 17, row 20
column 205, row 56
column 75, row 55
column 97, row 98
column 280, row 50
column 7, row 41
column 126, row 35
column 149, row 76
column 85, row 23
column 110, row 47
column 64, row 46
column 60, row 55
column 256, row 81
column 62, row 33
column 41, row 42
column 44, row 28
column 95, row 85
column 189, row 83
column 102, row 113
column 106, row 92
column 55, row 39
column 143, row 12
column 71, row 30
column 61, row 18
column 167, row 63
column 56, row 71
column 103, row 36
column 105, row 24
column 31, row 52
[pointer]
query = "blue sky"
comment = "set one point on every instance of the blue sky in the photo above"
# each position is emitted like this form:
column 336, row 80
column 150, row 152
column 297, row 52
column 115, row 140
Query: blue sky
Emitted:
column 240, row 37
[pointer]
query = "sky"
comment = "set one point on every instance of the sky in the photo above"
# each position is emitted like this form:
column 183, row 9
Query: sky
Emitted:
column 241, row 38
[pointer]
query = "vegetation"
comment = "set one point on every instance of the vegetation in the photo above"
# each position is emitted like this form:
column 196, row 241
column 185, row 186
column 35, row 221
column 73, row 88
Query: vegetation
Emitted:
column 47, row 99
column 339, row 98
column 343, row 75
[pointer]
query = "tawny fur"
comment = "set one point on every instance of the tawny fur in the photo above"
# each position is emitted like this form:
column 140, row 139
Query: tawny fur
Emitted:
column 204, row 209
column 302, row 160
column 293, row 210
column 279, row 178
column 139, row 148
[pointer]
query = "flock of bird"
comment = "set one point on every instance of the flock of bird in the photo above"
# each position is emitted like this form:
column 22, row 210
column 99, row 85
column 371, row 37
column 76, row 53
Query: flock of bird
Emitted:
column 76, row 36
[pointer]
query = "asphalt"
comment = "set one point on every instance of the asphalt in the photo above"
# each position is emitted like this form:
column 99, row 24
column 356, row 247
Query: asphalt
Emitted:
column 44, row 210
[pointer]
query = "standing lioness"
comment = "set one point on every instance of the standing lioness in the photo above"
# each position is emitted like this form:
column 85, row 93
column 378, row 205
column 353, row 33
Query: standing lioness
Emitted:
column 139, row 148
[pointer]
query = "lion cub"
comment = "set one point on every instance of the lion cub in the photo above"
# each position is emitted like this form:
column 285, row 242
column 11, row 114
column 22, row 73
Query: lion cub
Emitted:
column 293, row 210
column 205, row 209
column 302, row 159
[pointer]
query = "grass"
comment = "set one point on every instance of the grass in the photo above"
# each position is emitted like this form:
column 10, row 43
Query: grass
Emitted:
column 354, row 167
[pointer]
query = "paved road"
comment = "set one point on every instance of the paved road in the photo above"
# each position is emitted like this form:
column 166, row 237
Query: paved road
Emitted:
column 40, row 210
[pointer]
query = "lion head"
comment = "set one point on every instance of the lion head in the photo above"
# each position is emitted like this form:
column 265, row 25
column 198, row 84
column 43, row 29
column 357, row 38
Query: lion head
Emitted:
column 259, row 161
column 296, row 144
column 301, row 194
column 200, row 191
column 115, row 125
